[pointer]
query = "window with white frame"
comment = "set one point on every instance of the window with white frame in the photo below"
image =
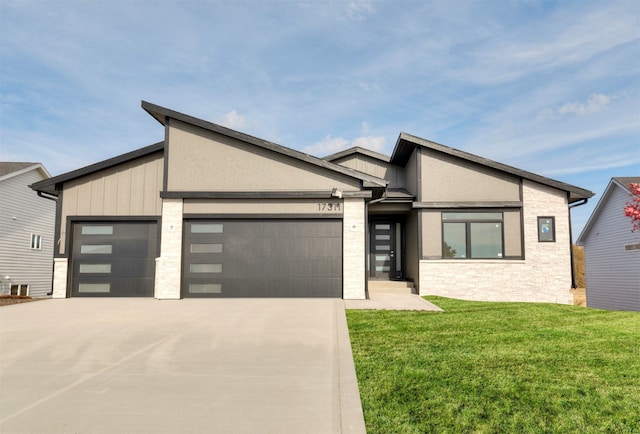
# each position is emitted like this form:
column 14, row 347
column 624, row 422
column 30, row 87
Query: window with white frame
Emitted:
column 20, row 290
column 36, row 242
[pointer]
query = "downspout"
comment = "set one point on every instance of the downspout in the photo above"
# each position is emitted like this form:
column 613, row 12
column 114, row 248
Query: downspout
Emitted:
column 573, row 268
column 44, row 195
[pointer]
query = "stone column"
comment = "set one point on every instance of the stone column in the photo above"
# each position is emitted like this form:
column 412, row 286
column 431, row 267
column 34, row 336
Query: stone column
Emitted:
column 168, row 265
column 60, row 270
column 353, row 250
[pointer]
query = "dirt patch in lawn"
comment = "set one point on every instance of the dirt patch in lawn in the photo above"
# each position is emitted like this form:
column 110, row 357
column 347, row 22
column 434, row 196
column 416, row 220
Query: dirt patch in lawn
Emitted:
column 6, row 300
column 579, row 296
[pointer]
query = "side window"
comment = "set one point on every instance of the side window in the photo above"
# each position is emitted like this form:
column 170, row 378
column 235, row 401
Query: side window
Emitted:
column 36, row 242
column 546, row 229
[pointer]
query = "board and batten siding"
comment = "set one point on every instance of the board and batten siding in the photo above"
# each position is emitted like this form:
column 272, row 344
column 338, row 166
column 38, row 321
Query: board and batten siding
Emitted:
column 24, row 213
column 612, row 274
column 374, row 167
column 129, row 189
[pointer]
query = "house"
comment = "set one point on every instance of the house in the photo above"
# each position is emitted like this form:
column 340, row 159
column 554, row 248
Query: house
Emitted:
column 612, row 251
column 27, row 221
column 212, row 212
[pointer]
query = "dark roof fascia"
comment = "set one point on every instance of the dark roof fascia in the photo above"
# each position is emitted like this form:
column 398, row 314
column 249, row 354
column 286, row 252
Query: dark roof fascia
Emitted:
column 161, row 114
column 358, row 150
column 49, row 185
column 407, row 143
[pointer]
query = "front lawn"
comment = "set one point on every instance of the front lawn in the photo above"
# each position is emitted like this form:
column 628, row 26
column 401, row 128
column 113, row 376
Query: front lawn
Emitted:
column 498, row 368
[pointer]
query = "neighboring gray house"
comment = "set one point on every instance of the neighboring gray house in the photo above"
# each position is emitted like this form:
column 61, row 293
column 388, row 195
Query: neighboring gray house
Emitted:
column 26, row 228
column 612, row 251
column 213, row 212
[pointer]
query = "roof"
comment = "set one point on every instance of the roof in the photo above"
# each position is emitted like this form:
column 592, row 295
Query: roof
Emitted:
column 624, row 181
column 11, row 169
column 616, row 182
column 161, row 114
column 357, row 150
column 49, row 185
column 407, row 143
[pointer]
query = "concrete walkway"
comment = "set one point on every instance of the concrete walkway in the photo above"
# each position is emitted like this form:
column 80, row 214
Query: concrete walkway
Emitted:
column 384, row 301
column 188, row 366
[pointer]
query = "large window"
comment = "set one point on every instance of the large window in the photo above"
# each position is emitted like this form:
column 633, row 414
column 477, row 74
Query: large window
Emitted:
column 472, row 235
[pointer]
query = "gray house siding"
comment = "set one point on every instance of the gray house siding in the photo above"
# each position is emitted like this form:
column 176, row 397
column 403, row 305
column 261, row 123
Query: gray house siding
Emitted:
column 24, row 213
column 612, row 274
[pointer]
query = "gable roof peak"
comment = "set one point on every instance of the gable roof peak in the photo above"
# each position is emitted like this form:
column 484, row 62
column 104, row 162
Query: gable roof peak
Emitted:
column 9, row 169
column 357, row 150
column 161, row 114
column 407, row 143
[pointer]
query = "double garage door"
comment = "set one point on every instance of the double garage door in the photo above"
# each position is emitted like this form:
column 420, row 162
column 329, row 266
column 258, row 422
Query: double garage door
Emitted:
column 221, row 258
column 262, row 258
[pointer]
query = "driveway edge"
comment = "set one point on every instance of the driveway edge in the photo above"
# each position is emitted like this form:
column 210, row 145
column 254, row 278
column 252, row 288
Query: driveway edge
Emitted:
column 350, row 407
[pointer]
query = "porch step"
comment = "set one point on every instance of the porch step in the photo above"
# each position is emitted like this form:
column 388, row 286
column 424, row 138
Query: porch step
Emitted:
column 391, row 287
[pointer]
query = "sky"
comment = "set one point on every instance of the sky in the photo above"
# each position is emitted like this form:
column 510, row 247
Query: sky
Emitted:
column 552, row 87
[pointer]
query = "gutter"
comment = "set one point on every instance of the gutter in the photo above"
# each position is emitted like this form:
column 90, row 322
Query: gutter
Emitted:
column 573, row 268
column 47, row 196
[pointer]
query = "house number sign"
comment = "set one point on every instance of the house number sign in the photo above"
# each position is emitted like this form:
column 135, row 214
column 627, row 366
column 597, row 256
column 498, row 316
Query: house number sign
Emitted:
column 328, row 206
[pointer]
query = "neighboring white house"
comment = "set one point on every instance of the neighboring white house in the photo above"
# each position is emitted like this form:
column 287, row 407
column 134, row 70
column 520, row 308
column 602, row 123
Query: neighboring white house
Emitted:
column 27, row 229
column 612, row 251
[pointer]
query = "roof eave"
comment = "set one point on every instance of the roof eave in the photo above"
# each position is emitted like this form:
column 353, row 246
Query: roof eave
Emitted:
column 407, row 143
column 50, row 185
column 161, row 114
column 358, row 150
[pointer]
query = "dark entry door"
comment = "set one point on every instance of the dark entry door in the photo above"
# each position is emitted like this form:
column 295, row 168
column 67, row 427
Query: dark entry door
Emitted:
column 383, row 250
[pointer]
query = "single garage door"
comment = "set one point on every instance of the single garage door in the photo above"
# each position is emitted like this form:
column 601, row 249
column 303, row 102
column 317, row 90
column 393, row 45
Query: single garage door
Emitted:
column 262, row 258
column 114, row 259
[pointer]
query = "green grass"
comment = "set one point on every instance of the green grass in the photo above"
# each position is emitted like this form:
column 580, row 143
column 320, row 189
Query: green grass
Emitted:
column 498, row 368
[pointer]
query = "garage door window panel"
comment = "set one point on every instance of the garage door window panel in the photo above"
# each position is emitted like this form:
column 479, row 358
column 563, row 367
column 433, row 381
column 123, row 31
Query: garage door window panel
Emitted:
column 96, row 249
column 205, row 268
column 206, row 248
column 95, row 268
column 97, row 230
column 93, row 288
column 207, row 228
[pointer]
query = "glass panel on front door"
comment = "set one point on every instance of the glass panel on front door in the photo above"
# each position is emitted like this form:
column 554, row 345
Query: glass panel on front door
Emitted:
column 385, row 251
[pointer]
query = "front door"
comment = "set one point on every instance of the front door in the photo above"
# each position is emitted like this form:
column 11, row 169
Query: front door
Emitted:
column 385, row 250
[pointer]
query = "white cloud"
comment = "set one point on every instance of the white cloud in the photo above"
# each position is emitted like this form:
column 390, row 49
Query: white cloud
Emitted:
column 358, row 10
column 376, row 143
column 327, row 146
column 233, row 120
column 596, row 103
column 330, row 145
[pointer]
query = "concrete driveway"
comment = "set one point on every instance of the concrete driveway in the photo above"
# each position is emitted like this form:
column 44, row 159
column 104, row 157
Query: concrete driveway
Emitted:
column 187, row 366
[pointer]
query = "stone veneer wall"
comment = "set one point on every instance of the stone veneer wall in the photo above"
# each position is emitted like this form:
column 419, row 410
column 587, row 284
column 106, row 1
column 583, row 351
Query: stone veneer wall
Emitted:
column 60, row 271
column 543, row 276
column 353, row 250
column 169, row 264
